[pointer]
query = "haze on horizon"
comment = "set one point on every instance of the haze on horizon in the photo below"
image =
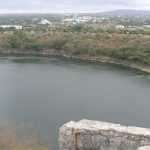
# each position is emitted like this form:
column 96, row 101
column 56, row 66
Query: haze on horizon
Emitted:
column 70, row 6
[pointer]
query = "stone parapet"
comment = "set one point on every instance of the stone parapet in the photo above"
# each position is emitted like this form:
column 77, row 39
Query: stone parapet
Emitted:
column 96, row 135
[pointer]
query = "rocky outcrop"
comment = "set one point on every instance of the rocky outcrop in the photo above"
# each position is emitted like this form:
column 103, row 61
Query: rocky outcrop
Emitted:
column 96, row 135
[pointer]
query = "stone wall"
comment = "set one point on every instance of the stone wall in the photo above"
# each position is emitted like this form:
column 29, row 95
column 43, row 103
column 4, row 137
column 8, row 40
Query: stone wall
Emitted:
column 144, row 148
column 95, row 135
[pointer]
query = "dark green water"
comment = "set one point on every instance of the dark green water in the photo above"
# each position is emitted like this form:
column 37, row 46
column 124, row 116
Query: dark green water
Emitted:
column 49, row 92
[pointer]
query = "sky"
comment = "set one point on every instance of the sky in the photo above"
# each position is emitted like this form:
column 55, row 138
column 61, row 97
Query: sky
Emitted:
column 70, row 6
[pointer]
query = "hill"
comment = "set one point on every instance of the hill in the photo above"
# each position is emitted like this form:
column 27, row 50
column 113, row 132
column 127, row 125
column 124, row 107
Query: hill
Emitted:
column 128, row 12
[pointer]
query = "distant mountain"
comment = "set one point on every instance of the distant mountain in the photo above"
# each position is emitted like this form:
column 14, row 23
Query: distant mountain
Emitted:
column 128, row 12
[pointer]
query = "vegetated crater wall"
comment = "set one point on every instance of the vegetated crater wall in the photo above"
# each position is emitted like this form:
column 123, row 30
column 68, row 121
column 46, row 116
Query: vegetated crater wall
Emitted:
column 96, row 135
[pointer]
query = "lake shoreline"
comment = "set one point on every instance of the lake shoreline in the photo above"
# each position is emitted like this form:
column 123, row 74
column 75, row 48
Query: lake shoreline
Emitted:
column 99, row 58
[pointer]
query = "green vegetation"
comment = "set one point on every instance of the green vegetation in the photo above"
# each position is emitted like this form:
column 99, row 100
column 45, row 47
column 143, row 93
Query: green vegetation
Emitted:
column 88, row 40
column 19, row 40
column 131, row 47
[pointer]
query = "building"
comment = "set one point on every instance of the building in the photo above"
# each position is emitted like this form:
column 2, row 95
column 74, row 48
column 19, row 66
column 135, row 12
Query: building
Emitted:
column 120, row 27
column 44, row 22
column 147, row 26
column 17, row 27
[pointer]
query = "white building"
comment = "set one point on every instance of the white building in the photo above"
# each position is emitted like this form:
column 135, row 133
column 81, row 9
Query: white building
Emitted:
column 44, row 22
column 147, row 26
column 120, row 27
column 17, row 27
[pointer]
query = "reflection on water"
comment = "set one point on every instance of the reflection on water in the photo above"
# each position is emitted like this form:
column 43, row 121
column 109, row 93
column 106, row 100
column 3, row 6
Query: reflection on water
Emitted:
column 51, row 91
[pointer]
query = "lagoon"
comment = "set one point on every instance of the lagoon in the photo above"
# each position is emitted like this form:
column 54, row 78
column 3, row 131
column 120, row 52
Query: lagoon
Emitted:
column 48, row 92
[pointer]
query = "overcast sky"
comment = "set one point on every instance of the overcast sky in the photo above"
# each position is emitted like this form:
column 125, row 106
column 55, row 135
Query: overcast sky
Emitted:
column 67, row 6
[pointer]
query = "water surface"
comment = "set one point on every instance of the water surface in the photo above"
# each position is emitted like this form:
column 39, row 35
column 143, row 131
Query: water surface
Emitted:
column 49, row 92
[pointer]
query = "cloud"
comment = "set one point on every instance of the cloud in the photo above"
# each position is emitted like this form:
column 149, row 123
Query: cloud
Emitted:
column 43, row 6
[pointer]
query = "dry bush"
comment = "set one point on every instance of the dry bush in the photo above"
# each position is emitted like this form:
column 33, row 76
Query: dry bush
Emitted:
column 20, row 136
